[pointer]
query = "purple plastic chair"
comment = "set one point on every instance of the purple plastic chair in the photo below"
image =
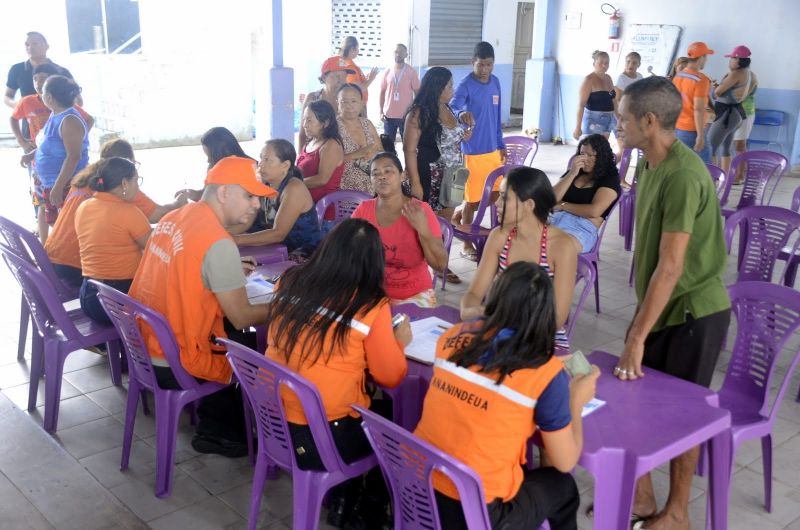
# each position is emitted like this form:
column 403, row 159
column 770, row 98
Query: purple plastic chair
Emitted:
column 593, row 256
column 475, row 233
column 586, row 274
column 62, row 333
column 719, row 178
column 27, row 246
column 127, row 313
column 520, row 150
column 764, row 232
column 768, row 316
column 792, row 259
column 261, row 381
column 407, row 463
column 761, row 167
column 342, row 203
column 447, row 239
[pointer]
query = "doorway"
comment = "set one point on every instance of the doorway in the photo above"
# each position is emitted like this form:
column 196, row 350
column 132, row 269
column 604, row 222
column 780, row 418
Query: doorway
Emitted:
column 523, row 44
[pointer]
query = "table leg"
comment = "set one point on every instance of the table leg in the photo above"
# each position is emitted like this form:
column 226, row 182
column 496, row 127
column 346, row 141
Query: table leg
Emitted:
column 614, row 485
column 719, row 480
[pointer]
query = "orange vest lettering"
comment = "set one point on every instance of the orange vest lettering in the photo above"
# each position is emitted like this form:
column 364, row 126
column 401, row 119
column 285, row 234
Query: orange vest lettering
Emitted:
column 483, row 424
column 169, row 280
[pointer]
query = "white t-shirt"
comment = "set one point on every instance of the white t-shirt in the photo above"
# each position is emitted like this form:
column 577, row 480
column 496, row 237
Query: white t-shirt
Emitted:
column 623, row 81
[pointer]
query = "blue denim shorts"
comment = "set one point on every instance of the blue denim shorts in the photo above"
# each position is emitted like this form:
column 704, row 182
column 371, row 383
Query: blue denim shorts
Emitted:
column 580, row 228
column 597, row 122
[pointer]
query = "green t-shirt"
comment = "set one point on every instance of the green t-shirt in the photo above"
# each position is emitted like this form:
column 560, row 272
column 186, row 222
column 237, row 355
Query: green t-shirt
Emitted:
column 679, row 196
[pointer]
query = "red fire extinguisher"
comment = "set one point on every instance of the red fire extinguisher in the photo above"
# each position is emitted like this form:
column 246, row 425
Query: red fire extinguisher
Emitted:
column 613, row 22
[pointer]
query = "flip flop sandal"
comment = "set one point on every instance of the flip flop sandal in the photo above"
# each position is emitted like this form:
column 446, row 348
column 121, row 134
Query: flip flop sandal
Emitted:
column 636, row 519
column 471, row 255
column 452, row 277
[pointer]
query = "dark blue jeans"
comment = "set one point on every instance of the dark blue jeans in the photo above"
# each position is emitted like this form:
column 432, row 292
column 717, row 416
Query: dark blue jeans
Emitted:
column 91, row 305
column 392, row 125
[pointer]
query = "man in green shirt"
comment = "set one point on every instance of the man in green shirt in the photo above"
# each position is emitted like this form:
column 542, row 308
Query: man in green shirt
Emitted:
column 683, row 309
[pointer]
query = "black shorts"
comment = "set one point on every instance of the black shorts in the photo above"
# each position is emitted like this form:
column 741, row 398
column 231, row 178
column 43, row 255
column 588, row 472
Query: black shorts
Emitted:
column 545, row 494
column 689, row 351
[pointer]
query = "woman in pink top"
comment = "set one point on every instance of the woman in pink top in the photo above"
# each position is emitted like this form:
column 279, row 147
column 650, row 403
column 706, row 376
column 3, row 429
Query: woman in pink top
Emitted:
column 412, row 239
column 321, row 160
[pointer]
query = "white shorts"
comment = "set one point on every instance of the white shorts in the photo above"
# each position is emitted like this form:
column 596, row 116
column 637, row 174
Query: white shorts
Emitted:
column 744, row 130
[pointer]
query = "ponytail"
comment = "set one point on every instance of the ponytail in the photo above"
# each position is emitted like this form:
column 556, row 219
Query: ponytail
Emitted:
column 111, row 172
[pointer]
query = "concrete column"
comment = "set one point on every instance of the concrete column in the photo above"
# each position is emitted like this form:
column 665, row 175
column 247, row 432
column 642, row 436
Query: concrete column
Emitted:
column 280, row 86
column 540, row 71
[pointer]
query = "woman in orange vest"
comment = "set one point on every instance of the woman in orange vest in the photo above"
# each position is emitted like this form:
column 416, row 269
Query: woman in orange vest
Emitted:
column 331, row 322
column 494, row 381
column 112, row 232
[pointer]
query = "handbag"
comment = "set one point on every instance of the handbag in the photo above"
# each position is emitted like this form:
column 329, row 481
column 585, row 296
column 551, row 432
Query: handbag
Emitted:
column 453, row 182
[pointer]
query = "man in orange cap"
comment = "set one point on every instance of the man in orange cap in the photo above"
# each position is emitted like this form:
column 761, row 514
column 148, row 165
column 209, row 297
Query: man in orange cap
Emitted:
column 191, row 272
column 694, row 87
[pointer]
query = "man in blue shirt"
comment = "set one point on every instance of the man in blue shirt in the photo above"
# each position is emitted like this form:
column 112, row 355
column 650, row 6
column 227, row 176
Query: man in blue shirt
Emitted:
column 477, row 103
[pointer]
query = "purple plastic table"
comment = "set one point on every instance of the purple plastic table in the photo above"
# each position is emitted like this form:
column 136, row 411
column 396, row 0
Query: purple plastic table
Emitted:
column 265, row 254
column 644, row 424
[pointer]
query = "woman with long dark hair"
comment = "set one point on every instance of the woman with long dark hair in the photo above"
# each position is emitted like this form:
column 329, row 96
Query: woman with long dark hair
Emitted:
column 432, row 138
column 587, row 192
column 321, row 159
column 219, row 143
column 504, row 362
column 412, row 238
column 112, row 232
column 526, row 199
column 330, row 322
column 294, row 222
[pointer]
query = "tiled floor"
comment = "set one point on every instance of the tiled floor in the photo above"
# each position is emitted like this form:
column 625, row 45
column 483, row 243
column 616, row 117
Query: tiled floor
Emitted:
column 72, row 479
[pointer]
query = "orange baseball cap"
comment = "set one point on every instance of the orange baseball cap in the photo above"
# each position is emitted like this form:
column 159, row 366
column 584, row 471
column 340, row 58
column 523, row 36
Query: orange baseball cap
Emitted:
column 336, row 64
column 698, row 49
column 241, row 171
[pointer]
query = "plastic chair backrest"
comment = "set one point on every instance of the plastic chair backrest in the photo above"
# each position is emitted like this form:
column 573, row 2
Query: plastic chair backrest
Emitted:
column 796, row 200
column 767, row 231
column 408, row 463
column 27, row 246
column 585, row 274
column 520, row 150
column 344, row 202
column 486, row 197
column 128, row 315
column 46, row 306
column 447, row 232
column 767, row 315
column 718, row 176
column 761, row 167
column 262, row 380
column 768, row 118
column 625, row 162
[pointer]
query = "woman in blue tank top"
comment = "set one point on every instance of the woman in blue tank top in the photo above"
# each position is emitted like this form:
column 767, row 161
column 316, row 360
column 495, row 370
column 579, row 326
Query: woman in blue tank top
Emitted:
column 63, row 146
column 295, row 222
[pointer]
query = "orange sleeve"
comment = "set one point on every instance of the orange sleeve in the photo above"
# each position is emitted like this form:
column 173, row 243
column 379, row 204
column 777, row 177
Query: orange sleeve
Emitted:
column 702, row 88
column 386, row 360
column 137, row 222
column 82, row 112
column 19, row 110
column 145, row 204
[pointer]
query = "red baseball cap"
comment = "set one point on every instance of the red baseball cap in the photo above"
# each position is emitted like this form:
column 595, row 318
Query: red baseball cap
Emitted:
column 698, row 49
column 336, row 64
column 241, row 171
column 740, row 52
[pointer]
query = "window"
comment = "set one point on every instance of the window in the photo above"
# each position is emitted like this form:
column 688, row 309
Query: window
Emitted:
column 456, row 27
column 362, row 20
column 103, row 26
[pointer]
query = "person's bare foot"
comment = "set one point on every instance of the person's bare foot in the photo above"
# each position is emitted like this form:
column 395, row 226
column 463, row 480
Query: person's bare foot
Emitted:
column 666, row 521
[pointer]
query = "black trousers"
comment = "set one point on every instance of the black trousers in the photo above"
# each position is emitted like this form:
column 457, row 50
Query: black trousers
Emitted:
column 220, row 414
column 91, row 305
column 689, row 351
column 546, row 493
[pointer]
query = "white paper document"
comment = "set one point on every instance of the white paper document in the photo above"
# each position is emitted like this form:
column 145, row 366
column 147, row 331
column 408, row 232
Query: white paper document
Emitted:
column 426, row 333
column 259, row 290
column 592, row 406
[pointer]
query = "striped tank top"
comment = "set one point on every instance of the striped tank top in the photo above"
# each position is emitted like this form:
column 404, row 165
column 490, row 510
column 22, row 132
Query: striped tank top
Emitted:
column 562, row 342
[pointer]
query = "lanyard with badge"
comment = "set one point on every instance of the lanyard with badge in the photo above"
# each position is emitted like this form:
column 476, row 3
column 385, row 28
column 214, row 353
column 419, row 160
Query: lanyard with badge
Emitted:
column 397, row 80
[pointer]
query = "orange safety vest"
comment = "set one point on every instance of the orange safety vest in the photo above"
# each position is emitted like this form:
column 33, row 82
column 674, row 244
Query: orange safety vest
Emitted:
column 485, row 425
column 169, row 280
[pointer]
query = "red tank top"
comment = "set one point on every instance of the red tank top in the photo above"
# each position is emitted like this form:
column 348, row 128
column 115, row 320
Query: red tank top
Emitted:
column 308, row 164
